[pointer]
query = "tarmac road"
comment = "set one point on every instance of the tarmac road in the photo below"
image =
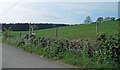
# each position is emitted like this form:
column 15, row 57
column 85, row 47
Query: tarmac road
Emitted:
column 13, row 57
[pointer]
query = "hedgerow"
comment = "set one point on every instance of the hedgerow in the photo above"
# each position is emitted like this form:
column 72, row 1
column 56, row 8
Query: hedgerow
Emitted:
column 82, row 53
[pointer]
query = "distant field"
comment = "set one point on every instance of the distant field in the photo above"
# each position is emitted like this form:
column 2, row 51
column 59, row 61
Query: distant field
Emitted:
column 77, row 31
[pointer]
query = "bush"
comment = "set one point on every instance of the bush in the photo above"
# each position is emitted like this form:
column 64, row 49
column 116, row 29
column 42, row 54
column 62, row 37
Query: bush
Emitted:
column 108, row 50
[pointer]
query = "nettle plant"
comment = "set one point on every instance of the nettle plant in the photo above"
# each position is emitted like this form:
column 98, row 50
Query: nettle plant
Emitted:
column 108, row 49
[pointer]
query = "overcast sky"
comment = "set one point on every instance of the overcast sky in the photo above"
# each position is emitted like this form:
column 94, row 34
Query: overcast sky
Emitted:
column 56, row 12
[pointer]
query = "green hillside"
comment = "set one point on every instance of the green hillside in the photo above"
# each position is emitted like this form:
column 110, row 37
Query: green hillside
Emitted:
column 78, row 31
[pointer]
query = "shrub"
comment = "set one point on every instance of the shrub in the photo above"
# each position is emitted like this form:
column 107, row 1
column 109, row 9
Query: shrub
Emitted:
column 107, row 50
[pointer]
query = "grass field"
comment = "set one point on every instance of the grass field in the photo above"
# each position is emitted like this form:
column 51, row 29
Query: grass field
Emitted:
column 87, row 31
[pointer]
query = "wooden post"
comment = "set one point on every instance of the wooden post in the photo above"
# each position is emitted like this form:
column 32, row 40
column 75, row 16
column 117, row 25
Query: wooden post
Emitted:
column 32, row 30
column 96, row 32
column 96, row 28
column 20, row 34
column 29, row 32
column 56, row 32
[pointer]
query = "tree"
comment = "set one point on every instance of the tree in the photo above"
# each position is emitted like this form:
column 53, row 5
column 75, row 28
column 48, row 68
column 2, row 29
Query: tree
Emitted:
column 88, row 20
column 35, row 27
column 118, row 19
column 112, row 18
column 107, row 19
column 100, row 19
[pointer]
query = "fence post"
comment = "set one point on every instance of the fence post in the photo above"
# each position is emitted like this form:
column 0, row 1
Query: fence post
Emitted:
column 56, row 32
column 96, row 28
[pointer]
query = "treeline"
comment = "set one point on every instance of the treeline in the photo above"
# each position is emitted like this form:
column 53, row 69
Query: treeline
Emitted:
column 100, row 19
column 25, row 26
